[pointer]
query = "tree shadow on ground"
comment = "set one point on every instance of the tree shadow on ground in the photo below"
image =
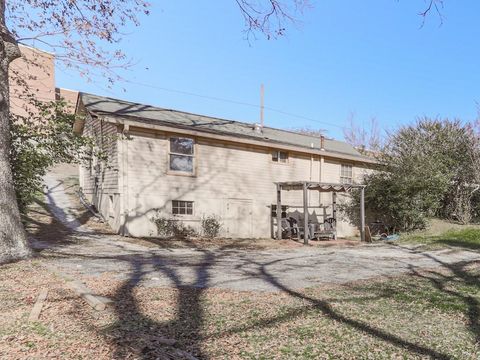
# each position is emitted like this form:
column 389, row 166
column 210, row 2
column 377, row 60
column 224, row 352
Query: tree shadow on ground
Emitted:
column 461, row 243
column 460, row 276
column 327, row 310
column 146, row 337
column 136, row 333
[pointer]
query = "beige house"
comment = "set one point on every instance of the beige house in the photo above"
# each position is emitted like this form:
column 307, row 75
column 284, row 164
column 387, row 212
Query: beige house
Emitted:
column 179, row 165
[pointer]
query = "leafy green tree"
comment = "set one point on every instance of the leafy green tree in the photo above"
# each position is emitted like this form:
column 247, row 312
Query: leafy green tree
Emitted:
column 426, row 169
column 40, row 139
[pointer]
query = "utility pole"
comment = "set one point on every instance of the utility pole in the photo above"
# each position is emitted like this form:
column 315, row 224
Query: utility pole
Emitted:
column 262, row 93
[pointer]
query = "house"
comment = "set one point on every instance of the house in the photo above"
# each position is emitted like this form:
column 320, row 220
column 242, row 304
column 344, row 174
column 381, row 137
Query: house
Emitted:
column 185, row 166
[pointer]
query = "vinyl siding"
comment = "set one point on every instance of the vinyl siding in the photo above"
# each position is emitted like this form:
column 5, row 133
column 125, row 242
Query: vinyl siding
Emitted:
column 227, row 176
column 105, row 196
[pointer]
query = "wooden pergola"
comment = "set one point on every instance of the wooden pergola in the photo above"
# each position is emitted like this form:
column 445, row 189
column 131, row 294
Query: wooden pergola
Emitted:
column 320, row 187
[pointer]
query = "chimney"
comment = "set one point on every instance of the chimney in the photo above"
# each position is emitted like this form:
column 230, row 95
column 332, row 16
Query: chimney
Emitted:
column 322, row 142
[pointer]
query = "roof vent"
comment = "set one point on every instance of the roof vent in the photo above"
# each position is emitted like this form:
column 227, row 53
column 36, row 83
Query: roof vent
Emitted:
column 257, row 128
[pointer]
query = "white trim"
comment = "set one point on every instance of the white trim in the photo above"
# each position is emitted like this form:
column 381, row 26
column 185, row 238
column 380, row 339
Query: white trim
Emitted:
column 185, row 201
column 193, row 156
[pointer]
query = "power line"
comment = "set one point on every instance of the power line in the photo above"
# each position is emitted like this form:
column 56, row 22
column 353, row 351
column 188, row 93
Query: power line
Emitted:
column 234, row 102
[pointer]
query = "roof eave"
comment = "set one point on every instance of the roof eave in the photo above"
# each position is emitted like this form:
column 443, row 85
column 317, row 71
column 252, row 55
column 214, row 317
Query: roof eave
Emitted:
column 208, row 133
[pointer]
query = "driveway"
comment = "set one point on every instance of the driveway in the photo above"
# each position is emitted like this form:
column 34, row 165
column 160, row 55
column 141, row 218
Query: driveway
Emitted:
column 89, row 253
column 241, row 269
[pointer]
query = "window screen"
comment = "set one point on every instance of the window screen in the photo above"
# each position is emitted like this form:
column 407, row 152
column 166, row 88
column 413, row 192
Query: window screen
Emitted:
column 346, row 174
column 181, row 156
column 280, row 156
column 182, row 207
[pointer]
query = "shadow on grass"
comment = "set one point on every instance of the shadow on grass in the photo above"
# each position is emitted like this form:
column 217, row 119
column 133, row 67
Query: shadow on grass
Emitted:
column 465, row 244
column 135, row 332
column 449, row 286
column 468, row 238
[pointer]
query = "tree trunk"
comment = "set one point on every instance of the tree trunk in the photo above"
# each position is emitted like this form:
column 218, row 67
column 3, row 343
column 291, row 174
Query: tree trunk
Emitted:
column 13, row 240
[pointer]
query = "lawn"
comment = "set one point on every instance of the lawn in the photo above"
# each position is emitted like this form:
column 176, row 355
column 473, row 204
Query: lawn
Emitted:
column 427, row 314
column 424, row 314
column 468, row 238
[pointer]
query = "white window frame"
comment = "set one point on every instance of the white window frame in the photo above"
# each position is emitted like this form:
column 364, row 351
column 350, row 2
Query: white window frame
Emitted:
column 345, row 179
column 185, row 206
column 193, row 156
column 277, row 152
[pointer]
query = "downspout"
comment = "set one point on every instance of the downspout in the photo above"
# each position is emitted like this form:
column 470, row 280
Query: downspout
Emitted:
column 126, row 197
column 311, row 163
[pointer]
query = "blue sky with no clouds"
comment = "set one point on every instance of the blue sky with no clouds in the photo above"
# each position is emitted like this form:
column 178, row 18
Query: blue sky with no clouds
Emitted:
column 370, row 58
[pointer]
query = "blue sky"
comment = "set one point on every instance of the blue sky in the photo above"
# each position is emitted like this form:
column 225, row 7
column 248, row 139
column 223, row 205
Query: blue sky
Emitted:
column 370, row 58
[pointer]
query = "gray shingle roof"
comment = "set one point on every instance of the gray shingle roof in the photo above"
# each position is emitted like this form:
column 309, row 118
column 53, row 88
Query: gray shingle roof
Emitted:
column 155, row 115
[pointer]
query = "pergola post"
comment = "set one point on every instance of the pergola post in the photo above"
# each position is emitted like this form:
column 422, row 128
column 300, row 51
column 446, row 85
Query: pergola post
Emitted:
column 334, row 213
column 279, row 212
column 362, row 213
column 306, row 230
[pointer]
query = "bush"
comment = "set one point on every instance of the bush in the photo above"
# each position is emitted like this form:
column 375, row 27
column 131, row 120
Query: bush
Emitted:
column 395, row 204
column 41, row 139
column 428, row 169
column 211, row 226
column 168, row 227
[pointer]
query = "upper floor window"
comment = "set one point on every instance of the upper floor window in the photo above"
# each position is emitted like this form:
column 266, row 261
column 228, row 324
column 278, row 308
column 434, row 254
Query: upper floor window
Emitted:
column 346, row 174
column 182, row 154
column 280, row 156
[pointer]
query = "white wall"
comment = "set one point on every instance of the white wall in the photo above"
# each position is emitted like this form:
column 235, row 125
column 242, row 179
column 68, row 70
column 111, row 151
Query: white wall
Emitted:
column 229, row 178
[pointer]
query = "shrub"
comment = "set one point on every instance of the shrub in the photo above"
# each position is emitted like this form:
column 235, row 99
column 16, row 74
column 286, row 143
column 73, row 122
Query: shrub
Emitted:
column 429, row 169
column 168, row 227
column 40, row 139
column 211, row 226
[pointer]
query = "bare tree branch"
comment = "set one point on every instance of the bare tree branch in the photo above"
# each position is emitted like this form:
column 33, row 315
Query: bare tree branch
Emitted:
column 363, row 138
column 433, row 5
column 270, row 17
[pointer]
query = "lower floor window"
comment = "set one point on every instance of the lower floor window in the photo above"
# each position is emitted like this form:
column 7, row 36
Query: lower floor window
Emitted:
column 182, row 207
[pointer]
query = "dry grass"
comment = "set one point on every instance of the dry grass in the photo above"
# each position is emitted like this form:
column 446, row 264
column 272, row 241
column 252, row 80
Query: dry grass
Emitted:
column 425, row 314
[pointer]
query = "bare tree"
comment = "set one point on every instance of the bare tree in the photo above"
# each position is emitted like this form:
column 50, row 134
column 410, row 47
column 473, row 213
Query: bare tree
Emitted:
column 76, row 31
column 363, row 138
column 13, row 242
column 307, row 130
column 79, row 33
